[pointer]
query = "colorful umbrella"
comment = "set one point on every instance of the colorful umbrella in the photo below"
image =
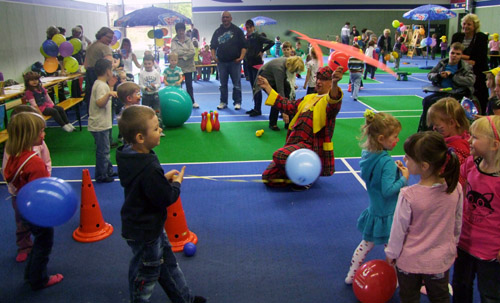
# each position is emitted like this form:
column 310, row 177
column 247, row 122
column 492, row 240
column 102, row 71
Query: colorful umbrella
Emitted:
column 261, row 20
column 151, row 16
column 429, row 13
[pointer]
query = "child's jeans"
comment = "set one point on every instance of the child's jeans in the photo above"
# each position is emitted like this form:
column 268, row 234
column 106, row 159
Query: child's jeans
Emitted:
column 154, row 262
column 466, row 268
column 370, row 69
column 23, row 231
column 356, row 83
column 36, row 267
column 435, row 284
column 103, row 166
column 153, row 101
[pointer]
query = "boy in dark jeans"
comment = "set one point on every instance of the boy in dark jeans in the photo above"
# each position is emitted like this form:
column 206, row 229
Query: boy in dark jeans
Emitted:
column 148, row 193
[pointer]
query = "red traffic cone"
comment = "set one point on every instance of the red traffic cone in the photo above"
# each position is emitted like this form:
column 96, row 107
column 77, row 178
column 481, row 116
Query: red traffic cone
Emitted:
column 92, row 226
column 176, row 227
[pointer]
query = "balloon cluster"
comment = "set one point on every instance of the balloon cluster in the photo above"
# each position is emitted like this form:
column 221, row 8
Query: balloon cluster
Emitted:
column 158, row 35
column 115, row 42
column 58, row 45
column 399, row 26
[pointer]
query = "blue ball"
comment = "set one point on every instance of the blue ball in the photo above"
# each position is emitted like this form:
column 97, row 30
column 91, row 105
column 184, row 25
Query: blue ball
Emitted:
column 158, row 33
column 303, row 166
column 189, row 249
column 47, row 202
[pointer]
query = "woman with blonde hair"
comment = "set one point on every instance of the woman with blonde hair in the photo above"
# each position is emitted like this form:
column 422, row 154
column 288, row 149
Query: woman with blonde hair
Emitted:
column 275, row 73
column 475, row 53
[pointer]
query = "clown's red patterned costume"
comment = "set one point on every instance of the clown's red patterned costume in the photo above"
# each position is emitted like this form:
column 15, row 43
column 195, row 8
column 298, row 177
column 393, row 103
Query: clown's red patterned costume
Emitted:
column 312, row 127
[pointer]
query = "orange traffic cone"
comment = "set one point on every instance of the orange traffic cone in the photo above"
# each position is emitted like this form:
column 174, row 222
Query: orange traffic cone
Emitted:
column 176, row 227
column 92, row 226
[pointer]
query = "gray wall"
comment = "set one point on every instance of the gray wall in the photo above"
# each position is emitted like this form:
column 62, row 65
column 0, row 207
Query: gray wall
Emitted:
column 23, row 32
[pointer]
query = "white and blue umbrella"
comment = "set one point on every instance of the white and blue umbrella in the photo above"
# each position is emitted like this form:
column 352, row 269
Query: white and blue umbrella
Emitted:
column 429, row 12
column 261, row 20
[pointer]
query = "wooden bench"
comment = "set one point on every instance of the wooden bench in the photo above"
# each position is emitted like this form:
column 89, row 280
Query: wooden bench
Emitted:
column 67, row 104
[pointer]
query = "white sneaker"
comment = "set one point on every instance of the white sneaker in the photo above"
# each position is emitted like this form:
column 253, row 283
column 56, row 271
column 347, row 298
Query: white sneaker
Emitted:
column 237, row 106
column 71, row 125
column 67, row 128
column 196, row 105
column 222, row 106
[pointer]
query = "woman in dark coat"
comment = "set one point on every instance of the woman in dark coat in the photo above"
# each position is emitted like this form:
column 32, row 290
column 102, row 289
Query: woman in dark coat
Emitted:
column 475, row 53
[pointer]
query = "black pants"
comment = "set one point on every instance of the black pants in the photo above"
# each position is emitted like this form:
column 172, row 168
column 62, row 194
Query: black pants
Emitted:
column 494, row 60
column 369, row 69
column 188, row 78
column 57, row 113
column 36, row 266
column 273, row 115
column 435, row 284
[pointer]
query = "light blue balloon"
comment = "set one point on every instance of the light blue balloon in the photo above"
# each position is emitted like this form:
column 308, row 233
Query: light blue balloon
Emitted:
column 303, row 166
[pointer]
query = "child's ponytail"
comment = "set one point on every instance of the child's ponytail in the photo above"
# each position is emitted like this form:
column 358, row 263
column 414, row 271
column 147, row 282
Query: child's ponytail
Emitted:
column 451, row 170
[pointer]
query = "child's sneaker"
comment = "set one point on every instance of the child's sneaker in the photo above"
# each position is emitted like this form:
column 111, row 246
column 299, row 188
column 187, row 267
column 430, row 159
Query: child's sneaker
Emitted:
column 196, row 105
column 67, row 128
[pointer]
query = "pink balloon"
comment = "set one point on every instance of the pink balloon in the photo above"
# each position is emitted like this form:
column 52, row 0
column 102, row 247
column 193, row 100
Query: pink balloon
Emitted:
column 434, row 42
column 66, row 49
column 403, row 28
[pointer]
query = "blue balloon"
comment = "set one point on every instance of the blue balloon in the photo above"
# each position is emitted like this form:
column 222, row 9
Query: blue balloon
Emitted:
column 469, row 108
column 50, row 48
column 303, row 166
column 428, row 41
column 377, row 50
column 158, row 33
column 47, row 202
column 117, row 34
column 189, row 249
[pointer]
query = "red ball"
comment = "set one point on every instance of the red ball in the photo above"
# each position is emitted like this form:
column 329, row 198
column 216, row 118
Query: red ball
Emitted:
column 375, row 282
column 337, row 59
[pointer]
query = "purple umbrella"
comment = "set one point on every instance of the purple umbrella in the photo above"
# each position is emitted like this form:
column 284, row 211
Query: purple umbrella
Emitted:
column 261, row 20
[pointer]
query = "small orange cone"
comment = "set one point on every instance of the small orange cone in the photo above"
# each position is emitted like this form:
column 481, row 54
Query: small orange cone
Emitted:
column 92, row 226
column 176, row 227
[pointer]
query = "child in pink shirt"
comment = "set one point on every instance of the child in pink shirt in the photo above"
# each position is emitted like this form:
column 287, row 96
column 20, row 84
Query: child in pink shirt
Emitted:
column 206, row 59
column 427, row 220
column 479, row 245
column 23, row 232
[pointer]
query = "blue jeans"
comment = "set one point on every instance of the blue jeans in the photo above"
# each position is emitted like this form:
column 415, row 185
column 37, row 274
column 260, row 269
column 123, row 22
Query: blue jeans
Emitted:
column 103, row 166
column 257, row 98
column 230, row 69
column 36, row 265
column 154, row 262
column 465, row 270
column 356, row 83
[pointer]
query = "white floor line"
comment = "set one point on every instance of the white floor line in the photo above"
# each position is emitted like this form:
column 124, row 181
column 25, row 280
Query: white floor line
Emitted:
column 354, row 173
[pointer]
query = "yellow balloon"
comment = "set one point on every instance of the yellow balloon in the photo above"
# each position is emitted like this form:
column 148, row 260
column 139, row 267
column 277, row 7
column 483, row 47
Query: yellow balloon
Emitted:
column 70, row 64
column 422, row 31
column 395, row 55
column 116, row 45
column 159, row 42
column 58, row 39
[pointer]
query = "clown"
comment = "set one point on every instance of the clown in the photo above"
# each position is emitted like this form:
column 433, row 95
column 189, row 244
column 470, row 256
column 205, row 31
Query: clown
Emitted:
column 312, row 125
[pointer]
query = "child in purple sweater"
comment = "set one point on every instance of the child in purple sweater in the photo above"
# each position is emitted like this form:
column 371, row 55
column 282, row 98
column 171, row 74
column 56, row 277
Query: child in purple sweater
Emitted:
column 427, row 220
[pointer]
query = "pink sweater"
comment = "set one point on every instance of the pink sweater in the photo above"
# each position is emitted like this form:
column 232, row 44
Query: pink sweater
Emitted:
column 481, row 225
column 426, row 228
column 43, row 152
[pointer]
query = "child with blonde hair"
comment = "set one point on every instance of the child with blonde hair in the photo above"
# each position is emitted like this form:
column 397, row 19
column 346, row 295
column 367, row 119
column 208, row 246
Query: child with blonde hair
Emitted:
column 479, row 244
column 383, row 182
column 427, row 220
column 23, row 232
column 448, row 118
column 27, row 130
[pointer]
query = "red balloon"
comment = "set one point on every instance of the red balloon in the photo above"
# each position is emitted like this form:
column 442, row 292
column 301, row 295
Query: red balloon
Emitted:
column 375, row 282
column 337, row 59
